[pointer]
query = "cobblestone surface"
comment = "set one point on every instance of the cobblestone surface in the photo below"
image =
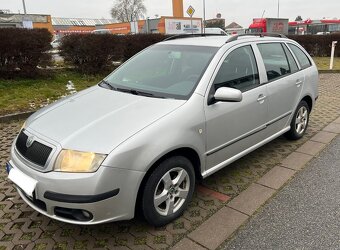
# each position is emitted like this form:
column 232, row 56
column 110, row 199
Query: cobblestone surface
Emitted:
column 23, row 228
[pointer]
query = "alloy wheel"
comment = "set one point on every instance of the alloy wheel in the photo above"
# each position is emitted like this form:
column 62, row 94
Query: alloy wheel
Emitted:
column 301, row 120
column 171, row 191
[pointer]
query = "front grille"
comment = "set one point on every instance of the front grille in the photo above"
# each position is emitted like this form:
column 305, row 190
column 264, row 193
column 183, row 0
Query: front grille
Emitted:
column 37, row 153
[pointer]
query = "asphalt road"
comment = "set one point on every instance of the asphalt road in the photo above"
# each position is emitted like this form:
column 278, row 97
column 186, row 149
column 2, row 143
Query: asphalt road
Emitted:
column 304, row 215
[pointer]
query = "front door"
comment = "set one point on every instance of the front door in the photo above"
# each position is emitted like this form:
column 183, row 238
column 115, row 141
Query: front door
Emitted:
column 232, row 127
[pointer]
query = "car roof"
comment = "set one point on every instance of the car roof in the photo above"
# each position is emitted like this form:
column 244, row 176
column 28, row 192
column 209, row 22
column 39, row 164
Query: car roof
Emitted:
column 218, row 40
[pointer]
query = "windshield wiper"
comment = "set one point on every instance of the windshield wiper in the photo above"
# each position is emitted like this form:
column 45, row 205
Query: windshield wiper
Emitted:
column 135, row 92
column 106, row 85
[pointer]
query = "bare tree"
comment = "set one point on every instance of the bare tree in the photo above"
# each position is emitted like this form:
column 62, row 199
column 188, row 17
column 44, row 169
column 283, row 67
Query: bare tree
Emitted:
column 128, row 10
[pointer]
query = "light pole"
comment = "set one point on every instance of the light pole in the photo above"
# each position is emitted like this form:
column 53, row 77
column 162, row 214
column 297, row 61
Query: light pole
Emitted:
column 278, row 8
column 332, row 54
column 26, row 20
column 24, row 5
column 133, row 22
column 147, row 25
column 203, row 26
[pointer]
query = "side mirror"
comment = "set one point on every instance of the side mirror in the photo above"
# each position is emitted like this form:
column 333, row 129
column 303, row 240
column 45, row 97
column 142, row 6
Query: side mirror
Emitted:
column 225, row 94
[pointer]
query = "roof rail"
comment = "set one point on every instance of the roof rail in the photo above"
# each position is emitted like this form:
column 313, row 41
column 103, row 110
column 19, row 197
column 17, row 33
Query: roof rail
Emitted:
column 234, row 38
column 191, row 35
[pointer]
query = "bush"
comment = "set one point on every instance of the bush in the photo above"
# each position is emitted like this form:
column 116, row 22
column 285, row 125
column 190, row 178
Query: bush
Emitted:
column 94, row 53
column 318, row 45
column 91, row 53
column 22, row 50
column 135, row 43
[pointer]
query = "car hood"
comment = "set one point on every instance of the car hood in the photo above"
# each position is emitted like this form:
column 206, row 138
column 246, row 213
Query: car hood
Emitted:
column 98, row 119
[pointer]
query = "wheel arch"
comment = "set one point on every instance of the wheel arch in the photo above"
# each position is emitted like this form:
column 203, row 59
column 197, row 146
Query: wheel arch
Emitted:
column 187, row 152
column 308, row 99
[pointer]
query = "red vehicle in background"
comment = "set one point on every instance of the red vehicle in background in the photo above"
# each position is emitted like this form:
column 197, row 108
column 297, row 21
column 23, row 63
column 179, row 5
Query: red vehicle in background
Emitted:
column 282, row 26
column 269, row 25
column 314, row 27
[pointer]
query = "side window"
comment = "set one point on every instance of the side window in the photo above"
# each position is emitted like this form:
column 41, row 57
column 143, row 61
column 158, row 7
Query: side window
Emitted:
column 238, row 70
column 274, row 59
column 292, row 63
column 301, row 56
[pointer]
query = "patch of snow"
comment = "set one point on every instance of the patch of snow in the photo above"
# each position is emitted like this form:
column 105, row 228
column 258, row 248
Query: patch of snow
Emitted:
column 70, row 88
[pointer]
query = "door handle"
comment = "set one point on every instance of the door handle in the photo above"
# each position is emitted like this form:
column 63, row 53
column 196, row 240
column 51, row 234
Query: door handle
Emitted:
column 298, row 83
column 261, row 98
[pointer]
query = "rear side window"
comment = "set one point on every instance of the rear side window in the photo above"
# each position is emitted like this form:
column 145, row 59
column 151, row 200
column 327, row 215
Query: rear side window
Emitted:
column 301, row 56
column 292, row 63
column 274, row 59
column 238, row 70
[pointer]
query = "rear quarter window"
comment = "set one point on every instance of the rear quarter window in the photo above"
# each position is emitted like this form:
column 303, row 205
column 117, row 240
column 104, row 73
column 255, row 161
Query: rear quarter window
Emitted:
column 300, row 56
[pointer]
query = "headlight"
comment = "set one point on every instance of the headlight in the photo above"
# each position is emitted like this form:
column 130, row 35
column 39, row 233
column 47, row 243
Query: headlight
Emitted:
column 76, row 161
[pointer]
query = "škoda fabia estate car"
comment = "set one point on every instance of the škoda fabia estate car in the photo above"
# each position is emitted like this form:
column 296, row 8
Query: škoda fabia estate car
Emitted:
column 176, row 112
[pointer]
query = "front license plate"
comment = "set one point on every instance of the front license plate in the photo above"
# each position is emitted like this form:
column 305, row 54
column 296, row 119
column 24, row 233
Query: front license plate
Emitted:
column 23, row 181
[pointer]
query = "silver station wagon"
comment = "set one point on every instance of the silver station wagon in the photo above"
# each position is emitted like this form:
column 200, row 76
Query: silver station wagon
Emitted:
column 173, row 114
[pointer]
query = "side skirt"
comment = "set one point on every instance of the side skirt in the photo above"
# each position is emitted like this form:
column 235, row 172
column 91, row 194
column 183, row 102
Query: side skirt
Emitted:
column 243, row 153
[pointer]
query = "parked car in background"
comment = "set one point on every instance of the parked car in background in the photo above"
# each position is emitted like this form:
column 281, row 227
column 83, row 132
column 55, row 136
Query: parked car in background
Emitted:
column 215, row 31
column 176, row 112
column 106, row 31
column 101, row 31
column 323, row 33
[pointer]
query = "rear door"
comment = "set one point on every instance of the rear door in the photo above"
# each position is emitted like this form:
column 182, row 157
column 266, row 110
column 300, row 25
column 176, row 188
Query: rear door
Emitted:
column 284, row 84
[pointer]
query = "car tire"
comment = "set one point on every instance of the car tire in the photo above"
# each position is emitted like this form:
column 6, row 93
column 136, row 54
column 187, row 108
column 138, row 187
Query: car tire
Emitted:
column 299, row 123
column 168, row 190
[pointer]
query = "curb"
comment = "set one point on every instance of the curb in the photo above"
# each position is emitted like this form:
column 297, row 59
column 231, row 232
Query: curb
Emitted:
column 329, row 71
column 221, row 226
column 16, row 116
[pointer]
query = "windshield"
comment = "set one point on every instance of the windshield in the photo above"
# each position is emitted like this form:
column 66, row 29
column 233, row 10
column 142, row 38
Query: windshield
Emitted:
column 168, row 71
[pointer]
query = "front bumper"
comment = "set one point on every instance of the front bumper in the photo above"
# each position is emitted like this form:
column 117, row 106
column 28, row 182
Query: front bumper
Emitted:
column 107, row 195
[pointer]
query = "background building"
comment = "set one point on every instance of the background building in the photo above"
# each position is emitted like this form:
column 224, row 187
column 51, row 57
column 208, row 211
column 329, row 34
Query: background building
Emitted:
column 323, row 26
column 63, row 26
column 59, row 26
column 8, row 20
column 217, row 22
column 234, row 28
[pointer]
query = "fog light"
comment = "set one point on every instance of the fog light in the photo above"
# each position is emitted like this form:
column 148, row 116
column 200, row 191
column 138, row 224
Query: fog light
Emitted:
column 86, row 214
column 73, row 214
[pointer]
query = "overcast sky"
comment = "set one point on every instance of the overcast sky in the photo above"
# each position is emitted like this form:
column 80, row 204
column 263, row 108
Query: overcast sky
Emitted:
column 241, row 11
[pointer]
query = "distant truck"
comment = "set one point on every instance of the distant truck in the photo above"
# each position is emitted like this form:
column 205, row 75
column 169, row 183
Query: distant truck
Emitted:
column 269, row 25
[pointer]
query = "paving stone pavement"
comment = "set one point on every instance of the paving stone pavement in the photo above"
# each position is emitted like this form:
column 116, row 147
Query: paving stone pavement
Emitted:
column 23, row 228
column 303, row 215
